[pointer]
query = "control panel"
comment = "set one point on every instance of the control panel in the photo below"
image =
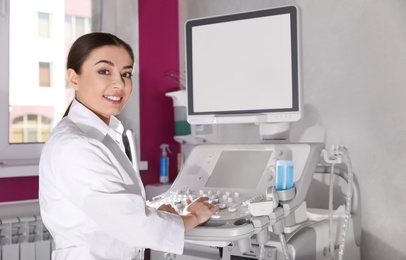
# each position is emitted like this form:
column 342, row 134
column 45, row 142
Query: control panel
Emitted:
column 234, row 176
column 233, row 204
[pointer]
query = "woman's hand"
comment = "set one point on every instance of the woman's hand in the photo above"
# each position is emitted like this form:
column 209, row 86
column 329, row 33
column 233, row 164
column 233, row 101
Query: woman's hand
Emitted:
column 168, row 208
column 197, row 212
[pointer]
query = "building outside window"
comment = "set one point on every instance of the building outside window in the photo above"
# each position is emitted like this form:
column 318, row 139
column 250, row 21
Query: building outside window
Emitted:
column 44, row 81
column 30, row 129
column 35, row 38
column 76, row 26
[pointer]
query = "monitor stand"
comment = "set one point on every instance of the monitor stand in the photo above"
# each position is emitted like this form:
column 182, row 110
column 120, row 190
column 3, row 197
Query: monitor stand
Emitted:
column 274, row 131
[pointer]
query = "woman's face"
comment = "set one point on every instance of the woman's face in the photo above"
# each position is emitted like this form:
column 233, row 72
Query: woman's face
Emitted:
column 105, row 84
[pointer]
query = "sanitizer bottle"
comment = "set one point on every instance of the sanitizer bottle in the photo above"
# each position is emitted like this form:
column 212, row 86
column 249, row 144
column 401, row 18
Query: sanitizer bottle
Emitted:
column 164, row 164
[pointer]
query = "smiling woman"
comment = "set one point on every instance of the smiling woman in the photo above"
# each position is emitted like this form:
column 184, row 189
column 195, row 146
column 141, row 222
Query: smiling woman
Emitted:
column 103, row 83
column 84, row 167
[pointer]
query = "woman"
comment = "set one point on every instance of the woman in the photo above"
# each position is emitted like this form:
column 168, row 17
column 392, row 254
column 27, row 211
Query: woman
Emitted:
column 92, row 200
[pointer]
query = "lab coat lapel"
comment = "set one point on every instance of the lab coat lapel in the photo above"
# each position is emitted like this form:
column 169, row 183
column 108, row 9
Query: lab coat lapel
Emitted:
column 129, row 174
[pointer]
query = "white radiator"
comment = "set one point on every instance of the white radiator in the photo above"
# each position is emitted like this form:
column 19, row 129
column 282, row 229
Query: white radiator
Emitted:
column 24, row 238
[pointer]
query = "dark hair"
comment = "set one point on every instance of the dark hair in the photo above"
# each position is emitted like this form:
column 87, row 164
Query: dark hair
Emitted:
column 87, row 43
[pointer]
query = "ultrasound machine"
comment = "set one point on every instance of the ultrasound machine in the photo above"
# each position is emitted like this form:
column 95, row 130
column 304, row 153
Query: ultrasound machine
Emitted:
column 245, row 69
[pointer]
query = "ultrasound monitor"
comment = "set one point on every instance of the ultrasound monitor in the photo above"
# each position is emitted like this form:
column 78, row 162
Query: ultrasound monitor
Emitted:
column 244, row 68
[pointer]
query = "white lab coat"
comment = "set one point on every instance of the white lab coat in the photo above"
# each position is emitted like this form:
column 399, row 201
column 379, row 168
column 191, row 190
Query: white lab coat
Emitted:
column 92, row 199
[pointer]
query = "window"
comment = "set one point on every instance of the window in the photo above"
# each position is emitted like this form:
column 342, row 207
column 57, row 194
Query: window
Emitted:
column 75, row 26
column 68, row 29
column 30, row 129
column 44, row 74
column 44, row 81
column 43, row 25
column 80, row 25
column 35, row 36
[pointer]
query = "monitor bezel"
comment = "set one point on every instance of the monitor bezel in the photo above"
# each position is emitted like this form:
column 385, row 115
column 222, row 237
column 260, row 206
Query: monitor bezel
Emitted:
column 289, row 114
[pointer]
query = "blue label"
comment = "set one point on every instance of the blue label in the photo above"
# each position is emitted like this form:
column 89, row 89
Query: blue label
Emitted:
column 164, row 169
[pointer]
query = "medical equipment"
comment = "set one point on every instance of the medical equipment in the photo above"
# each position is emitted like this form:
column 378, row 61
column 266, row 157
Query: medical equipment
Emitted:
column 256, row 221
column 244, row 67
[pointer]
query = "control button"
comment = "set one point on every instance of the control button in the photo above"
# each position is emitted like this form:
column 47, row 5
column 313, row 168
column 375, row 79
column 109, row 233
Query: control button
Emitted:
column 215, row 201
column 223, row 206
column 232, row 209
column 236, row 194
column 216, row 215
column 179, row 206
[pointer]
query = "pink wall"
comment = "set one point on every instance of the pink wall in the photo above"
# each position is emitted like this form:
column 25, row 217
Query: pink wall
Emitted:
column 159, row 53
column 21, row 188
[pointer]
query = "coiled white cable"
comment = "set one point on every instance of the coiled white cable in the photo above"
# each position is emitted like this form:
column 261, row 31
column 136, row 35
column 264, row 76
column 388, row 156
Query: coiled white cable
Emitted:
column 330, row 207
column 284, row 246
column 261, row 252
column 339, row 155
column 343, row 233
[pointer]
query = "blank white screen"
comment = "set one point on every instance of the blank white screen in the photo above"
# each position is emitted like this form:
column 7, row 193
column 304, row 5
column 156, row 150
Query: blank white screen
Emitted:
column 239, row 169
column 247, row 63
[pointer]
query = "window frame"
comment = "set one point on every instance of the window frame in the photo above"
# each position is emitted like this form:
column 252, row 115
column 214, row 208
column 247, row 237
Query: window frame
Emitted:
column 17, row 160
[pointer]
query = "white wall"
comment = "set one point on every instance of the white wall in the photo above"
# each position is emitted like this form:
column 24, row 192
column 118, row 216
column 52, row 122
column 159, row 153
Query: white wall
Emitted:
column 354, row 57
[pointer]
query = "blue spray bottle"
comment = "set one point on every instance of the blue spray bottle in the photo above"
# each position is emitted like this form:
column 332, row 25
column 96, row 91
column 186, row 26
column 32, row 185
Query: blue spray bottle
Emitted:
column 164, row 164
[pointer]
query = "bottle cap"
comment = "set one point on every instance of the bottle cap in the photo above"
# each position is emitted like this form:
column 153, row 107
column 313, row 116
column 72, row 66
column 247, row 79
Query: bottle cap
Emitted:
column 165, row 148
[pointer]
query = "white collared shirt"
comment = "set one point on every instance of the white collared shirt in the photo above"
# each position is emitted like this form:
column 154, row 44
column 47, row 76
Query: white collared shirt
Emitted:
column 92, row 199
